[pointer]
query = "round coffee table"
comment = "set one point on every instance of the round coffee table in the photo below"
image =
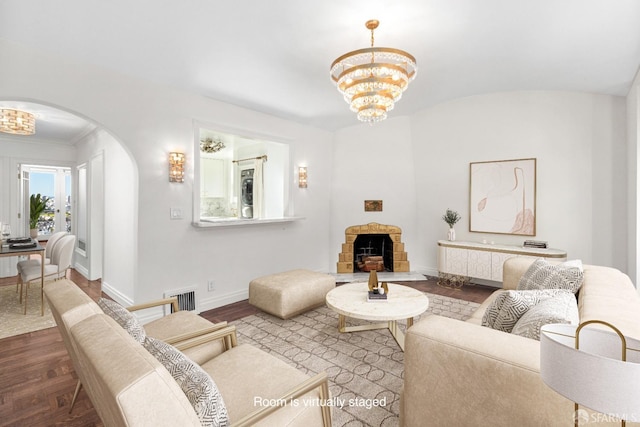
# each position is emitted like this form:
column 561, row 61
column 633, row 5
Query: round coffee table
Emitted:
column 403, row 302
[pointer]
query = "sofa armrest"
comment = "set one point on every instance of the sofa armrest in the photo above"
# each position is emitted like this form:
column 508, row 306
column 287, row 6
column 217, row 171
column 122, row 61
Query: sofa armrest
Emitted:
column 226, row 334
column 458, row 373
column 318, row 381
column 172, row 300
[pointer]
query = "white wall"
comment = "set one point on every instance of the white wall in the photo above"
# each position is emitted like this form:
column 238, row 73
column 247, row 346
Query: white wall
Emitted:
column 152, row 120
column 375, row 163
column 119, row 218
column 579, row 142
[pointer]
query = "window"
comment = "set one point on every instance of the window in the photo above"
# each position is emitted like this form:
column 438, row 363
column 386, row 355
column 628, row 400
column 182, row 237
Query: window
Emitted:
column 54, row 183
column 240, row 178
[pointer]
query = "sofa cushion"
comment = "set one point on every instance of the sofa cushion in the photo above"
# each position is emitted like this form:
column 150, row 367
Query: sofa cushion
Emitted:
column 246, row 372
column 507, row 308
column 196, row 384
column 562, row 308
column 124, row 317
column 543, row 275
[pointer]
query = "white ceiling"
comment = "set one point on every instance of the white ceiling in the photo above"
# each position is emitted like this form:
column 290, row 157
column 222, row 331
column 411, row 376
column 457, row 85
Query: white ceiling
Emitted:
column 274, row 56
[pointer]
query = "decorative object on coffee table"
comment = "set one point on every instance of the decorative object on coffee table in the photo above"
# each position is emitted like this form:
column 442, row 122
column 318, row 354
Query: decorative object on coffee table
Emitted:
column 377, row 291
column 451, row 218
column 373, row 280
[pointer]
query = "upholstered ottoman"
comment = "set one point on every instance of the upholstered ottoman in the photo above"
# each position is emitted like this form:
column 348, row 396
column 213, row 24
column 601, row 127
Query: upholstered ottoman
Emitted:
column 290, row 293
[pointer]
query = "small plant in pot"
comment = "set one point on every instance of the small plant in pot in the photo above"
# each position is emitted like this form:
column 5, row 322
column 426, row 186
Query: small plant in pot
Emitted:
column 451, row 218
column 37, row 205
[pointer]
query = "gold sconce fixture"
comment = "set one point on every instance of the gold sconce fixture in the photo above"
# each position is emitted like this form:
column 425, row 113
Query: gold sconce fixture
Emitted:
column 176, row 167
column 17, row 122
column 302, row 177
column 373, row 79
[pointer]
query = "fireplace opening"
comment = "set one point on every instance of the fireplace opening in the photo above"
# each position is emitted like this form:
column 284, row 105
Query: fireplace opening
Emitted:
column 381, row 243
column 373, row 252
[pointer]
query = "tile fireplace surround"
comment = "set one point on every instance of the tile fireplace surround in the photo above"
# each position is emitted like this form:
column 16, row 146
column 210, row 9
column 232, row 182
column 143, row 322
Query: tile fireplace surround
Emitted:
column 346, row 257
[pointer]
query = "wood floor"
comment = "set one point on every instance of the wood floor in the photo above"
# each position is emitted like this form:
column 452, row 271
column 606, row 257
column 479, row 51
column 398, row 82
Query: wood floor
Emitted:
column 37, row 379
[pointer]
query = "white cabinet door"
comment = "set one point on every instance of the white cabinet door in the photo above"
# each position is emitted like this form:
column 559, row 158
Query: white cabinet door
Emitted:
column 479, row 264
column 456, row 261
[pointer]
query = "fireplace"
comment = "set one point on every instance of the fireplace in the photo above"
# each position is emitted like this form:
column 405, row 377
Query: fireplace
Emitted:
column 373, row 246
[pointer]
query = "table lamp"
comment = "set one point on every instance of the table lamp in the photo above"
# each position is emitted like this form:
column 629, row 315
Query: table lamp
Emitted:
column 594, row 367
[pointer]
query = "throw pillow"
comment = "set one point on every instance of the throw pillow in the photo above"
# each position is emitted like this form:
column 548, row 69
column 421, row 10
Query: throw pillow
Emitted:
column 543, row 275
column 196, row 384
column 562, row 308
column 124, row 317
column 505, row 311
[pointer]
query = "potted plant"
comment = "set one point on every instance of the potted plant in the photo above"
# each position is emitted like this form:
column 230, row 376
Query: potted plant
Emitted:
column 451, row 217
column 37, row 205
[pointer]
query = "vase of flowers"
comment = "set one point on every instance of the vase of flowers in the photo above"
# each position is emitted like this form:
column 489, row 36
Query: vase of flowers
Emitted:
column 451, row 218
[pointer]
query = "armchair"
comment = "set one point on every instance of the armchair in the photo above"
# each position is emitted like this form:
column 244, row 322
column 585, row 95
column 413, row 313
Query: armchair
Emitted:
column 269, row 379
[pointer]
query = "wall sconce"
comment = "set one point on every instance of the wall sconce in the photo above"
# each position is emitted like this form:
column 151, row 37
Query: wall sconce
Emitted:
column 176, row 167
column 302, row 177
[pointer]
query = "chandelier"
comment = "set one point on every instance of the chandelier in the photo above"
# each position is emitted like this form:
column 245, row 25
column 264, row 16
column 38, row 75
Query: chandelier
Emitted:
column 17, row 122
column 372, row 79
column 208, row 145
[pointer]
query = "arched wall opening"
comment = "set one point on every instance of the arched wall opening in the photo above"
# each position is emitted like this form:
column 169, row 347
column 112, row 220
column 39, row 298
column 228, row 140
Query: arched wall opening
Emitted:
column 106, row 200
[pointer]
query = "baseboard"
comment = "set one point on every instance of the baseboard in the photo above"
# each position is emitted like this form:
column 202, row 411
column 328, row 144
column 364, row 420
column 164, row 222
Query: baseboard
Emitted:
column 82, row 270
column 117, row 296
column 219, row 301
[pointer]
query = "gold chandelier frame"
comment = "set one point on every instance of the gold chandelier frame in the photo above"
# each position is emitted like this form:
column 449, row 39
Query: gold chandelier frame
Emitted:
column 373, row 79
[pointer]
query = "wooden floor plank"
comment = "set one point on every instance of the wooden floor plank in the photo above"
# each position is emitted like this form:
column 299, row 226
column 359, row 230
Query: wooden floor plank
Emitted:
column 37, row 380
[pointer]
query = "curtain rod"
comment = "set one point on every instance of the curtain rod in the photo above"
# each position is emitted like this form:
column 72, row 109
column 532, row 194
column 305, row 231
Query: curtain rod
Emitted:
column 263, row 157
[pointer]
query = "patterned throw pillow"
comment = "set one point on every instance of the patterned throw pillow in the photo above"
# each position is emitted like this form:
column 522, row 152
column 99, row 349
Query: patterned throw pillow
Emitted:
column 197, row 385
column 124, row 317
column 563, row 308
column 543, row 275
column 505, row 311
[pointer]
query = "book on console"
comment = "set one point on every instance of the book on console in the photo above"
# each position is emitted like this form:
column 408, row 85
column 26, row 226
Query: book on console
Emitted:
column 535, row 244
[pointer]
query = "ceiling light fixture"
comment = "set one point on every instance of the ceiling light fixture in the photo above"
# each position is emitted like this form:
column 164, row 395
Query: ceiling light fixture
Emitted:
column 208, row 145
column 372, row 79
column 17, row 122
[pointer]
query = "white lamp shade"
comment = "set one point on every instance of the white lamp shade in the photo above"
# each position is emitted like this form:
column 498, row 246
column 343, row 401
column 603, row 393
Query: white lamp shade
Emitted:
column 594, row 375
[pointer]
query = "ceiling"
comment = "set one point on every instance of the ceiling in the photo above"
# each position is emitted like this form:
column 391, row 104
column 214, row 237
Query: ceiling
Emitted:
column 274, row 56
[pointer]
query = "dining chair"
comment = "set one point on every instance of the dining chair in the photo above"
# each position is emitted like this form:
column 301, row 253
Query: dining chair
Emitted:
column 48, row 250
column 56, row 269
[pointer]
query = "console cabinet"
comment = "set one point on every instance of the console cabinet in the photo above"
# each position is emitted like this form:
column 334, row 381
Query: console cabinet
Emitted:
column 484, row 261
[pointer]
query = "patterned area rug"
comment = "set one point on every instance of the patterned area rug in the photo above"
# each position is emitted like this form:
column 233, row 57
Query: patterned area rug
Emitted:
column 13, row 321
column 365, row 368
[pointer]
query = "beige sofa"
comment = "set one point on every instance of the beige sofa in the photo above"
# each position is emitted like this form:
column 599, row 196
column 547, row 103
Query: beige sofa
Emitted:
column 130, row 387
column 463, row 374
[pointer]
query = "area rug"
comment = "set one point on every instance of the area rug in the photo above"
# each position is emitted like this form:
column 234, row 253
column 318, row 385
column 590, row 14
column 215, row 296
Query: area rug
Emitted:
column 13, row 321
column 365, row 369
